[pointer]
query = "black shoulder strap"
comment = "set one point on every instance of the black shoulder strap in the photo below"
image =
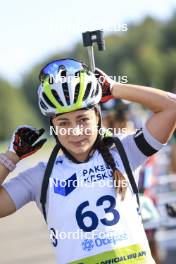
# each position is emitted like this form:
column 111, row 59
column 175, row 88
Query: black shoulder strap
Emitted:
column 46, row 177
column 126, row 165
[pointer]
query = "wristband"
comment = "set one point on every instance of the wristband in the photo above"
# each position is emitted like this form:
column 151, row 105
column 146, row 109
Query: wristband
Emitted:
column 4, row 160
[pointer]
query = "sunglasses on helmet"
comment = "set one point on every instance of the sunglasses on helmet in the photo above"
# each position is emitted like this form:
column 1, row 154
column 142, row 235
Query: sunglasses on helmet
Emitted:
column 53, row 67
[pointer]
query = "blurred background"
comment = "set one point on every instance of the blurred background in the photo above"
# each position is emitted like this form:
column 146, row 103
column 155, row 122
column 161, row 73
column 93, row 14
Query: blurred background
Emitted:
column 140, row 48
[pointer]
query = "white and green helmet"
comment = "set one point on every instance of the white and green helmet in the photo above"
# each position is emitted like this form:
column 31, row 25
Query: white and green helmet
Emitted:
column 67, row 85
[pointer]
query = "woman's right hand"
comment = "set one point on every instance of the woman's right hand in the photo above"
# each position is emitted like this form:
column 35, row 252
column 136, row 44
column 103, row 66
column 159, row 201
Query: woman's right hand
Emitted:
column 23, row 141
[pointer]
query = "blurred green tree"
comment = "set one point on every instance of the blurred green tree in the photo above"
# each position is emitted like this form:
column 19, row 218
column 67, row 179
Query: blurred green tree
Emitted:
column 15, row 110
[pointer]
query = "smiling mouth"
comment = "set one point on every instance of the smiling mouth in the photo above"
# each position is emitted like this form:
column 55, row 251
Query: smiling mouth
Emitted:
column 78, row 143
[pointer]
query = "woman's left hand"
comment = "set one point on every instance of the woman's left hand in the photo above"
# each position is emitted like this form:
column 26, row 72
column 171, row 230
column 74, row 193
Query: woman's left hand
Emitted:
column 106, row 84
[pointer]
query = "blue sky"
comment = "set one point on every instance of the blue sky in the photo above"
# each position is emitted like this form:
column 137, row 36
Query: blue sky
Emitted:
column 31, row 30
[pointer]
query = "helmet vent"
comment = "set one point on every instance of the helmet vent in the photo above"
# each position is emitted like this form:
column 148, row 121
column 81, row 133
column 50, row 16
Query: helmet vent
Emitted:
column 66, row 92
column 47, row 100
column 87, row 91
column 63, row 73
column 77, row 88
column 77, row 74
column 92, row 94
column 97, row 90
column 56, row 96
column 43, row 105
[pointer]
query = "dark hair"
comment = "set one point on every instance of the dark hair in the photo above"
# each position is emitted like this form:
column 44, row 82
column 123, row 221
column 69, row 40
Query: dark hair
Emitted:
column 103, row 145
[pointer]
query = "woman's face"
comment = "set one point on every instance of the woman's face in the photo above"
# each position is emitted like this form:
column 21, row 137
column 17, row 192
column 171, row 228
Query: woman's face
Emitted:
column 77, row 131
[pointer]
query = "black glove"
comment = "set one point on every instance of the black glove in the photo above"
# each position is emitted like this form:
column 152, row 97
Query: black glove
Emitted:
column 23, row 140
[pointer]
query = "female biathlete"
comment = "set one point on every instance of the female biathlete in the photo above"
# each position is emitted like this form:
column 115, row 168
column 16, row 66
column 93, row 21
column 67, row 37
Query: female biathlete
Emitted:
column 89, row 189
